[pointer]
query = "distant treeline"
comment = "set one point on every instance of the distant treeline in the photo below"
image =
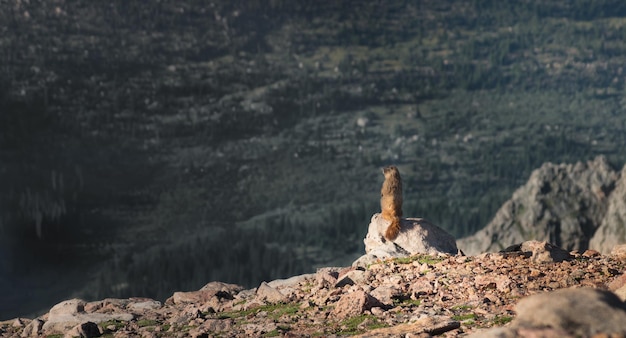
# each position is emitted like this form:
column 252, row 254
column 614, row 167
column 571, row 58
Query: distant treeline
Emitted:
column 273, row 247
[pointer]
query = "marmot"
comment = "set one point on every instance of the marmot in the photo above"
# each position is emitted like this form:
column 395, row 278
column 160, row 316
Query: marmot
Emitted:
column 391, row 201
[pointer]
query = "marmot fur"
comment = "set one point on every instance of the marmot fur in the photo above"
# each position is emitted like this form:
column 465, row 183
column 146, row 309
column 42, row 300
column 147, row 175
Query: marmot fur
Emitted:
column 391, row 201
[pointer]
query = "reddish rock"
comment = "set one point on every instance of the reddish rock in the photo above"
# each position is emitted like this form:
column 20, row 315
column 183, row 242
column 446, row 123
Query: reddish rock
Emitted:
column 619, row 251
column 591, row 253
column 266, row 293
column 354, row 303
column 213, row 289
column 544, row 252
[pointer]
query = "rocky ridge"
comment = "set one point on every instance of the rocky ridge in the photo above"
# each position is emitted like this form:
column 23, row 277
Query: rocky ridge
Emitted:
column 419, row 295
column 612, row 231
column 575, row 206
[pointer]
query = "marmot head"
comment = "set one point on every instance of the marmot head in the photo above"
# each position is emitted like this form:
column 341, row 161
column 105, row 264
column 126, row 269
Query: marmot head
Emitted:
column 391, row 171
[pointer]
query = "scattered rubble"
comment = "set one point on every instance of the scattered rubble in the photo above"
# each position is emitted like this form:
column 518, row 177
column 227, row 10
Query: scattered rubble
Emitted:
column 507, row 294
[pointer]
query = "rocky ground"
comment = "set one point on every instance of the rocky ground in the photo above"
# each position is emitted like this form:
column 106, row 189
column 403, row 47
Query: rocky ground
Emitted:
column 415, row 296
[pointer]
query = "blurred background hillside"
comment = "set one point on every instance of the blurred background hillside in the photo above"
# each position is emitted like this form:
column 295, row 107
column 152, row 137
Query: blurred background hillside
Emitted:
column 150, row 147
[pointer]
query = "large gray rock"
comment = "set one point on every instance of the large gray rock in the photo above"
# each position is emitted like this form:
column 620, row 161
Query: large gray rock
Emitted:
column 562, row 204
column 581, row 312
column 417, row 236
column 612, row 230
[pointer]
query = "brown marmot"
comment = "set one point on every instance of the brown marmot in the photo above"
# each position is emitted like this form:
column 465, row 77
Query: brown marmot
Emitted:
column 391, row 201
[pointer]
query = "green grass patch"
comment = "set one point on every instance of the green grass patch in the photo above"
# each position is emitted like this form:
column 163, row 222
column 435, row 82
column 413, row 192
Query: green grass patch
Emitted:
column 464, row 317
column 307, row 287
column 118, row 324
column 417, row 258
column 351, row 325
column 461, row 307
column 501, row 320
column 274, row 311
column 188, row 328
column 146, row 322
column 273, row 333
column 406, row 302
column 56, row 335
column 469, row 322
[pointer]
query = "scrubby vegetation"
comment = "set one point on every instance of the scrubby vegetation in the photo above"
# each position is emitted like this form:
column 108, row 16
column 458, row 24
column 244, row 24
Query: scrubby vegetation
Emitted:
column 180, row 142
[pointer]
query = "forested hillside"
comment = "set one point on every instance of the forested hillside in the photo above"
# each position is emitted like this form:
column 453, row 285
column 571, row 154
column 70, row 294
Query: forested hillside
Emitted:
column 149, row 147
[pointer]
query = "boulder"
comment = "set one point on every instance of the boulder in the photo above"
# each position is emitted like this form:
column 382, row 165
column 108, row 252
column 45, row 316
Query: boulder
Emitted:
column 544, row 252
column 417, row 236
column 205, row 294
column 386, row 294
column 574, row 312
column 354, row 303
column 70, row 313
column 268, row 294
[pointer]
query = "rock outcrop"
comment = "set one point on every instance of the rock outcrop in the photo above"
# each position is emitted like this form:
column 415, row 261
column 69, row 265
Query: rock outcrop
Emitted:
column 612, row 230
column 563, row 204
column 417, row 236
